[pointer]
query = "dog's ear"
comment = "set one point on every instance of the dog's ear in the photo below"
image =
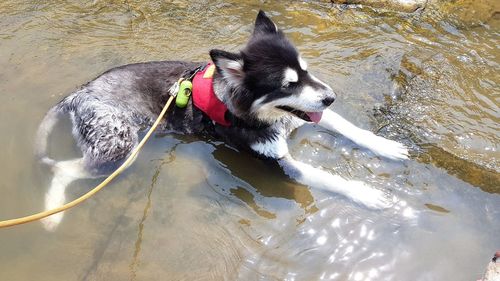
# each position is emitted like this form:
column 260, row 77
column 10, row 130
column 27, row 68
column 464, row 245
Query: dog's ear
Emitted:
column 229, row 65
column 264, row 25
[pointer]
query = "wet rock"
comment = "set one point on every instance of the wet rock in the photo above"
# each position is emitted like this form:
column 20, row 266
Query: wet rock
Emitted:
column 465, row 13
column 407, row 6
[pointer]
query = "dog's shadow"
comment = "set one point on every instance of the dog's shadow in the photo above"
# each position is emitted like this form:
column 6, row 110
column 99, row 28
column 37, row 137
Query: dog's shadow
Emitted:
column 267, row 178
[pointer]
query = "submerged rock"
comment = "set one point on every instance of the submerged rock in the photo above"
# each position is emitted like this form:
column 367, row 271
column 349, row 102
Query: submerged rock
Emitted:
column 407, row 6
column 465, row 13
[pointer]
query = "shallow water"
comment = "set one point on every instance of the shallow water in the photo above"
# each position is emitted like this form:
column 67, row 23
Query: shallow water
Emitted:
column 193, row 209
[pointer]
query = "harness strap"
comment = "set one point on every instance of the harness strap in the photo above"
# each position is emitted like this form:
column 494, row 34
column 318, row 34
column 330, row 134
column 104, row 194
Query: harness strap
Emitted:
column 204, row 97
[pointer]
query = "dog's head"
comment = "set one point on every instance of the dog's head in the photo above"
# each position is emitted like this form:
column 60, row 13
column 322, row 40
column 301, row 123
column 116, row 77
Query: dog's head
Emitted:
column 269, row 80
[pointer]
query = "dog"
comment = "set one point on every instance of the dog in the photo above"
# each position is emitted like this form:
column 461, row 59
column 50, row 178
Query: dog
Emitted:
column 266, row 91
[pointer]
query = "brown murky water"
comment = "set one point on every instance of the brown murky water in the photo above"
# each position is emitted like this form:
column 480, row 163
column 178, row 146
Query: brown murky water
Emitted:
column 193, row 209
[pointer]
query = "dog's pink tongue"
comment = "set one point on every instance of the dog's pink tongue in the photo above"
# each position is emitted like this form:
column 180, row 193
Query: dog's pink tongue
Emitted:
column 315, row 116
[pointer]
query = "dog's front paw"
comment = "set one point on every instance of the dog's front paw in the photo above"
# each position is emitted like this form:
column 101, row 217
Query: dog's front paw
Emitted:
column 368, row 196
column 385, row 147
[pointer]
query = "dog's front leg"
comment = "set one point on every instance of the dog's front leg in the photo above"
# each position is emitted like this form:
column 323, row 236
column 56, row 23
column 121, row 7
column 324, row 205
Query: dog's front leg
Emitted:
column 317, row 178
column 379, row 145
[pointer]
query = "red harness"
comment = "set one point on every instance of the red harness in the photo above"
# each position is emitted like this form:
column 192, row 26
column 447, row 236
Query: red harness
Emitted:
column 205, row 99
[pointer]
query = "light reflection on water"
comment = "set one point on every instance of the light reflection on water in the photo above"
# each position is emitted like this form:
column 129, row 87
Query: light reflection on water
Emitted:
column 196, row 209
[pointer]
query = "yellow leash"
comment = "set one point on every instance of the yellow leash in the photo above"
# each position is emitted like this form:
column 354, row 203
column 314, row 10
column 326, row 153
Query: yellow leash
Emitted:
column 87, row 195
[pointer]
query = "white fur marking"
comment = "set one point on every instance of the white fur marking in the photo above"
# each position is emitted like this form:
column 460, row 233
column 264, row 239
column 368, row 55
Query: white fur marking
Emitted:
column 232, row 71
column 267, row 111
column 310, row 95
column 235, row 65
column 305, row 102
column 302, row 63
column 309, row 100
column 290, row 76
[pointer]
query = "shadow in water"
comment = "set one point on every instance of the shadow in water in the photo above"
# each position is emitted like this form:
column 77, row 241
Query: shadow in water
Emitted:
column 267, row 178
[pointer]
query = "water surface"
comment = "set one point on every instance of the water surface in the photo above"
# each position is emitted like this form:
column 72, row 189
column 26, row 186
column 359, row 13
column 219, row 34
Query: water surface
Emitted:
column 195, row 209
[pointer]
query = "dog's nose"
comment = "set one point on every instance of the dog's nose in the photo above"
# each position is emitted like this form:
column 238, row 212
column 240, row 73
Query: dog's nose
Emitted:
column 328, row 101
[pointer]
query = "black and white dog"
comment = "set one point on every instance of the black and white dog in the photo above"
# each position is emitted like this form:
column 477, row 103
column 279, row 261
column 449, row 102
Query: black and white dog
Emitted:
column 266, row 87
